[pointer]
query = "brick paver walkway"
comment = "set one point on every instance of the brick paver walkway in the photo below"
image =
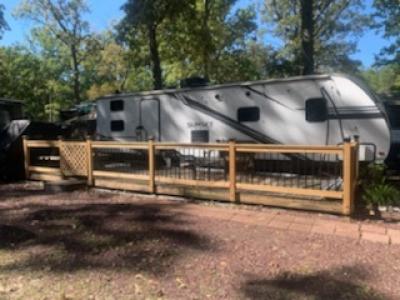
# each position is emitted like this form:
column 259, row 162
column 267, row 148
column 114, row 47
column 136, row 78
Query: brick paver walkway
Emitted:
column 308, row 223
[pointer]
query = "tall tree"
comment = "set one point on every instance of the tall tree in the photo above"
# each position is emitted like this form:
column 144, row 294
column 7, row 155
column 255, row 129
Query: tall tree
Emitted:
column 214, row 41
column 64, row 21
column 143, row 18
column 326, row 28
column 206, row 36
column 224, row 37
column 194, row 38
column 26, row 76
column 307, row 36
column 114, row 68
column 3, row 22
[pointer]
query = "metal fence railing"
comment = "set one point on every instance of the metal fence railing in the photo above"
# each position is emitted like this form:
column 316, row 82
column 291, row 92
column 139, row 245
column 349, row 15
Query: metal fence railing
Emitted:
column 327, row 172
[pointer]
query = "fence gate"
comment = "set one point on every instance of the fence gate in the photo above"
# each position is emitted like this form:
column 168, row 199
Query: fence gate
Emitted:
column 73, row 159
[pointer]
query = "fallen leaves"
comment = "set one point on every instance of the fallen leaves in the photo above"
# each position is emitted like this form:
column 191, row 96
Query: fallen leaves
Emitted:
column 181, row 283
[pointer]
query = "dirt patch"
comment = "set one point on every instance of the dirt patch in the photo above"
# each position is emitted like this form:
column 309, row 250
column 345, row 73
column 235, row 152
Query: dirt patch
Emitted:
column 95, row 245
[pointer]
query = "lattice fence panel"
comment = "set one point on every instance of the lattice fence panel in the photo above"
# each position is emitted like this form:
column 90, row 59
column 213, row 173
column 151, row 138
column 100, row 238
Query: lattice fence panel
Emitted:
column 73, row 159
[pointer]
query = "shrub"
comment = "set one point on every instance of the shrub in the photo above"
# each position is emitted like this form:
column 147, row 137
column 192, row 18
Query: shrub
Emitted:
column 381, row 194
column 376, row 189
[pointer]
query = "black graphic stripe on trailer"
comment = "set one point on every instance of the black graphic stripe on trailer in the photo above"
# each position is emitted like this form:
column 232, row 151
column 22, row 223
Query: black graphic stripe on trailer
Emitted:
column 259, row 137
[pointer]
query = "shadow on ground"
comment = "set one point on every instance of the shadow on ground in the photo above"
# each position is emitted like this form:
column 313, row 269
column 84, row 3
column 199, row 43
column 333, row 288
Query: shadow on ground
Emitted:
column 19, row 190
column 342, row 283
column 139, row 237
column 11, row 236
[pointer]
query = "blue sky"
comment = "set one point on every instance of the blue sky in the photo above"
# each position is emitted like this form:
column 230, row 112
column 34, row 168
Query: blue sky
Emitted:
column 105, row 12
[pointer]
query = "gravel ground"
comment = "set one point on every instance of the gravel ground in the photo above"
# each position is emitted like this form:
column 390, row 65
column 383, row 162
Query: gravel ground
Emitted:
column 100, row 245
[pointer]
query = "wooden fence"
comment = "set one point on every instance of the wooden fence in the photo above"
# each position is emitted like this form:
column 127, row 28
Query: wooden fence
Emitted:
column 319, row 178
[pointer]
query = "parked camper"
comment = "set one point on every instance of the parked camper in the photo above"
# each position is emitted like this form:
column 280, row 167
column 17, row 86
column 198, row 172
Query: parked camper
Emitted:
column 12, row 127
column 307, row 110
column 79, row 121
column 392, row 108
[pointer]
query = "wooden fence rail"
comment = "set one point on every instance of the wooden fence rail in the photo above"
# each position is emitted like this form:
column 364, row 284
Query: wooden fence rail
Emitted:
column 308, row 177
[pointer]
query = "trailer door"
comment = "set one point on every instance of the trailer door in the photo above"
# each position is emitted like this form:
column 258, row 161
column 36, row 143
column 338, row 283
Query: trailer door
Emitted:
column 150, row 118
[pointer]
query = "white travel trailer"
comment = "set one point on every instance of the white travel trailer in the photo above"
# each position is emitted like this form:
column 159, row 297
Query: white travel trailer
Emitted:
column 307, row 110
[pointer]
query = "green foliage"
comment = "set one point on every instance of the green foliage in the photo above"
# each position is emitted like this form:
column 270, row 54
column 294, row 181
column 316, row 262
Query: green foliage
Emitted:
column 381, row 194
column 227, row 57
column 3, row 22
column 145, row 19
column 219, row 39
column 158, row 43
column 191, row 38
column 384, row 80
column 52, row 110
column 114, row 67
column 25, row 76
column 337, row 24
column 387, row 16
column 372, row 173
column 376, row 190
column 63, row 21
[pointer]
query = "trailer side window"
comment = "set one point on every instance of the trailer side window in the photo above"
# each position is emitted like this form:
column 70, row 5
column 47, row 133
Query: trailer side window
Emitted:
column 248, row 114
column 316, row 110
column 117, row 125
column 117, row 105
column 200, row 136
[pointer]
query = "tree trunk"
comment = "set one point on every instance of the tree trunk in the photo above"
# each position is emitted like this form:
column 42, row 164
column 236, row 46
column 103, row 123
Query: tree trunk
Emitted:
column 77, row 81
column 206, row 42
column 307, row 36
column 155, row 58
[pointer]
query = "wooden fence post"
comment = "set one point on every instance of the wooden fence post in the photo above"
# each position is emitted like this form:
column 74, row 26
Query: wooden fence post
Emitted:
column 89, row 157
column 356, row 171
column 151, row 156
column 348, row 177
column 356, row 158
column 27, row 157
column 60, row 142
column 232, row 171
